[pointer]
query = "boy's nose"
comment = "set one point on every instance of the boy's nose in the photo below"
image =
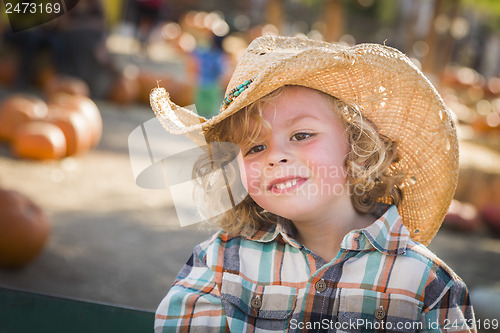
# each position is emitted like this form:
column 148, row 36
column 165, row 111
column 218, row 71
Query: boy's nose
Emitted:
column 277, row 153
column 276, row 156
column 283, row 160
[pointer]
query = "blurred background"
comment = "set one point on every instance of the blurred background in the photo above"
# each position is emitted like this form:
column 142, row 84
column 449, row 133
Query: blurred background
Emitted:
column 72, row 221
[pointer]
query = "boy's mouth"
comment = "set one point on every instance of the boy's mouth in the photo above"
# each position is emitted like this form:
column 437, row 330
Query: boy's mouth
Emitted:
column 281, row 185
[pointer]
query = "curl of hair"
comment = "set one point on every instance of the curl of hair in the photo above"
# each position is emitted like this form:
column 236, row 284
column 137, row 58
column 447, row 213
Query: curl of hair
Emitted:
column 370, row 161
column 369, row 164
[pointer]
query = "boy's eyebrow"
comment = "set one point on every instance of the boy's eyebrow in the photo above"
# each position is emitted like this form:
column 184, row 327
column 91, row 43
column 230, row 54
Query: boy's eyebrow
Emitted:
column 300, row 117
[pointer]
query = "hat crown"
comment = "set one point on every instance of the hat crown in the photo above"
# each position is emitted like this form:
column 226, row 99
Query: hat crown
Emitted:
column 266, row 51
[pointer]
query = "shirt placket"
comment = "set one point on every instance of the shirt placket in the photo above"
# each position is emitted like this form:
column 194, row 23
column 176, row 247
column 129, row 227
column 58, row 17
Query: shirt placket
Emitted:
column 322, row 291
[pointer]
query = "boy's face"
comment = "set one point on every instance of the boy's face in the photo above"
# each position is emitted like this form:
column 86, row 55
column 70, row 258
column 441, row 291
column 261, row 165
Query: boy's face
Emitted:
column 297, row 168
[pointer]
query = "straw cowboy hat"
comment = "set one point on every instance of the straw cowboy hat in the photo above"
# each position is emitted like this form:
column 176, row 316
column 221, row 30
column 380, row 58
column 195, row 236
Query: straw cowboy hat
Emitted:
column 381, row 81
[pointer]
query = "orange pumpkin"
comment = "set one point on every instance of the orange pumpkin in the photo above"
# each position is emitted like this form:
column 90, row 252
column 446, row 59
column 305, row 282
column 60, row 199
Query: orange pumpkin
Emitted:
column 17, row 110
column 181, row 93
column 84, row 106
column 75, row 128
column 148, row 81
column 65, row 84
column 124, row 90
column 24, row 229
column 39, row 140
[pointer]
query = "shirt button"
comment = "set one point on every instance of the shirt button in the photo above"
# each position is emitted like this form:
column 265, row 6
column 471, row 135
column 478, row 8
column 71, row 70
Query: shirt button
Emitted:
column 320, row 286
column 256, row 303
column 380, row 313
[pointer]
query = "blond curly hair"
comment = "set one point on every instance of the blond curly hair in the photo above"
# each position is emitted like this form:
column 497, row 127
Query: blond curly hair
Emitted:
column 369, row 163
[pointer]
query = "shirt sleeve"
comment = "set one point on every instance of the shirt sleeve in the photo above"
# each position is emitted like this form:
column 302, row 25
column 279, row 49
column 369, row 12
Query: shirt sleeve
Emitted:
column 452, row 312
column 193, row 303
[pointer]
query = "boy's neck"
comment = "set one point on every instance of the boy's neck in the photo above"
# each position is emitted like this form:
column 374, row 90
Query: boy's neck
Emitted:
column 324, row 236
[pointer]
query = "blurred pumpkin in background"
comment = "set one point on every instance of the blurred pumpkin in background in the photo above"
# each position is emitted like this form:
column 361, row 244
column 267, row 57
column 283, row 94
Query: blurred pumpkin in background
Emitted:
column 18, row 109
column 181, row 93
column 24, row 229
column 125, row 87
column 65, row 84
column 39, row 140
column 84, row 106
column 75, row 127
column 146, row 81
column 75, row 119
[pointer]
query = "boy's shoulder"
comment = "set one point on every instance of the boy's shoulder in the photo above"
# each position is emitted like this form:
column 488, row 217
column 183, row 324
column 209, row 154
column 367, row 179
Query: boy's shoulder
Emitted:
column 223, row 244
column 390, row 237
column 423, row 272
column 430, row 259
column 437, row 278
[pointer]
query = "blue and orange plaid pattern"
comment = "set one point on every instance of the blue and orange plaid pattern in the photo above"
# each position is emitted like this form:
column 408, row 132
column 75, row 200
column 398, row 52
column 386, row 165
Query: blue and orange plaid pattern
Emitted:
column 381, row 280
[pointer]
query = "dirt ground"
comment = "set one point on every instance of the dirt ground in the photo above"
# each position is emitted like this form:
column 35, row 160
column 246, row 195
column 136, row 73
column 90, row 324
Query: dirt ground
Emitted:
column 114, row 242
column 111, row 241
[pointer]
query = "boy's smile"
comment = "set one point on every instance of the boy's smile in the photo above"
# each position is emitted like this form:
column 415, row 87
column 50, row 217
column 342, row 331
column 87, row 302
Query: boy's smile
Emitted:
column 282, row 185
column 296, row 169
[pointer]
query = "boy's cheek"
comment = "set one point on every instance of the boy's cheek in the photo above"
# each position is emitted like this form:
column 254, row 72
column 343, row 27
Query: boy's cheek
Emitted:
column 252, row 185
column 335, row 171
column 254, row 188
column 249, row 174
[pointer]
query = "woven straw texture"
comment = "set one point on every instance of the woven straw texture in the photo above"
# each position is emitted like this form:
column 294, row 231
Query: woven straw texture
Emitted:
column 382, row 82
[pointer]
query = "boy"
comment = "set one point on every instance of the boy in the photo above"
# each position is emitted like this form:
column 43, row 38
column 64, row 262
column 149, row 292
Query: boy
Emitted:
column 350, row 160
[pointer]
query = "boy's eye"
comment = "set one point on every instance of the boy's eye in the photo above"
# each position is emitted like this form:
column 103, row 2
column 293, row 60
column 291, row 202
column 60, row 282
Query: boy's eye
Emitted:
column 256, row 149
column 301, row 136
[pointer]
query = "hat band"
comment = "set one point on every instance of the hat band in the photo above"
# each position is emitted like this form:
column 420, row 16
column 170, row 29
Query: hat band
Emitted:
column 235, row 93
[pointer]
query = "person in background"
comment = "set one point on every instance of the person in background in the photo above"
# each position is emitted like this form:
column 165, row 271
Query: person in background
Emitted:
column 210, row 62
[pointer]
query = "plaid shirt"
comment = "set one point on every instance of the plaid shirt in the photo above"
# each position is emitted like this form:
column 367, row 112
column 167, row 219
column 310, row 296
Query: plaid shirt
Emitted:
column 381, row 280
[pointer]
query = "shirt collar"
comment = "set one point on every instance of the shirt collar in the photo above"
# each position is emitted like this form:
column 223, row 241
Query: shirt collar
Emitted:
column 269, row 232
column 387, row 234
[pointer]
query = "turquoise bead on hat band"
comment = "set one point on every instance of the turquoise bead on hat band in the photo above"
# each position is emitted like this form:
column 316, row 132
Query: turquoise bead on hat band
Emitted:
column 235, row 92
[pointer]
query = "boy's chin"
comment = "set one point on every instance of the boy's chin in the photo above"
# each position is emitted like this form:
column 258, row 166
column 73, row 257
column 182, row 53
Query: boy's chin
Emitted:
column 292, row 213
